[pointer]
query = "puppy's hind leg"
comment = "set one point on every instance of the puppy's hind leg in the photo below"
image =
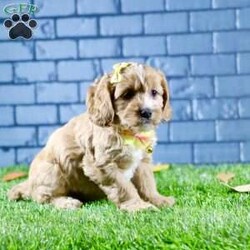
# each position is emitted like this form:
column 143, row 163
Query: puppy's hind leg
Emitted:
column 19, row 191
column 66, row 202
column 44, row 194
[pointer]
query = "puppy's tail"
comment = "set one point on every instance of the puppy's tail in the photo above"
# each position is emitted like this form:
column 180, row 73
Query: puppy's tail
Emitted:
column 19, row 191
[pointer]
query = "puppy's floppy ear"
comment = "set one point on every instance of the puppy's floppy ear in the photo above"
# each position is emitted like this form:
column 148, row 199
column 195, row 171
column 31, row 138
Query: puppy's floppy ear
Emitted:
column 99, row 104
column 167, row 111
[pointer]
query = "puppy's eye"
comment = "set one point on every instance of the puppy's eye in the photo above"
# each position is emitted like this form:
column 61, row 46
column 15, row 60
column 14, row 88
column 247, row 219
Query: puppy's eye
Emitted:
column 154, row 92
column 128, row 95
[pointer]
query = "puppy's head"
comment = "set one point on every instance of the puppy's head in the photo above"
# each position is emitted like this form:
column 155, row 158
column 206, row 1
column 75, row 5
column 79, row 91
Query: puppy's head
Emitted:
column 138, row 101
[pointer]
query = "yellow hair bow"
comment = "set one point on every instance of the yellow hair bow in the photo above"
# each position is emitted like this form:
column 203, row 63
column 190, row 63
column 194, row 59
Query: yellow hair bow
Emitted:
column 118, row 68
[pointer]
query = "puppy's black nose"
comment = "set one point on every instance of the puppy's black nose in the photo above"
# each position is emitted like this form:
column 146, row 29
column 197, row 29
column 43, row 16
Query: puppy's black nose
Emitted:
column 145, row 113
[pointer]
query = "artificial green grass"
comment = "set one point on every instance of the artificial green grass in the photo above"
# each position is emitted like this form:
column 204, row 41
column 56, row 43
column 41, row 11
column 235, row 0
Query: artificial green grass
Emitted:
column 206, row 216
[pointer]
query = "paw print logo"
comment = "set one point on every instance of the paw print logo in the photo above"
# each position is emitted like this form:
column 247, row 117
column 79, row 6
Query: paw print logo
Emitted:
column 20, row 26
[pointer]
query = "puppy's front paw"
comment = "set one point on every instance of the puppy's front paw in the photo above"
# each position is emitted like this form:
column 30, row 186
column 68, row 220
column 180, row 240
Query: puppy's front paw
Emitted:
column 161, row 201
column 136, row 205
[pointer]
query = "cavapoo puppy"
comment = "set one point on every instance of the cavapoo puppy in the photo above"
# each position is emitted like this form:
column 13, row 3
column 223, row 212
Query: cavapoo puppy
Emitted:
column 107, row 151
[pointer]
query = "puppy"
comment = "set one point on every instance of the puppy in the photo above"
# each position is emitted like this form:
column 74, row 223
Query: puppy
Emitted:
column 107, row 151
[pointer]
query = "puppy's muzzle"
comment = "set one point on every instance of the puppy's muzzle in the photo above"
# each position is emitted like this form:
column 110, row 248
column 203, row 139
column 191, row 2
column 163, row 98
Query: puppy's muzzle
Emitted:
column 146, row 113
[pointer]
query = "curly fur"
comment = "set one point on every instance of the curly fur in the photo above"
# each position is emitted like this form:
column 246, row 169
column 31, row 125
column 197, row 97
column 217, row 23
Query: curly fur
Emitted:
column 87, row 159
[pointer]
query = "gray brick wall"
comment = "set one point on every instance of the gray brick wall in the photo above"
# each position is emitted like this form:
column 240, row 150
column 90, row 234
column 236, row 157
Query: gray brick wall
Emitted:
column 203, row 47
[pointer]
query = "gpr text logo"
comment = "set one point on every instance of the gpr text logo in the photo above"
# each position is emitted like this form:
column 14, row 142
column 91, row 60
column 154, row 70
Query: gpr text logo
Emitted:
column 20, row 8
column 20, row 24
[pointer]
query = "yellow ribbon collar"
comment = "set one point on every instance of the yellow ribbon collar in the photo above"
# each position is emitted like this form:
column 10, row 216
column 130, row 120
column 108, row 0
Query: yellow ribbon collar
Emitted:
column 143, row 140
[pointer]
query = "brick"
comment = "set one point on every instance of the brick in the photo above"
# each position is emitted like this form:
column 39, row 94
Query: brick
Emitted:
column 187, row 5
column 216, row 153
column 213, row 64
column 69, row 111
column 57, row 93
column 232, row 86
column 34, row 71
column 234, row 130
column 75, row 27
column 245, row 152
column 198, row 87
column 107, row 64
column 55, row 8
column 44, row 132
column 144, row 46
column 76, row 70
column 230, row 3
column 239, row 41
column 243, row 64
column 16, row 51
column 17, row 137
column 181, row 110
column 6, row 116
column 189, row 44
column 106, row 47
column 45, row 114
column 243, row 18
column 212, row 20
column 192, row 131
column 7, row 157
column 4, row 33
column 142, row 6
column 162, row 132
column 211, row 109
column 26, row 155
column 84, row 86
column 166, row 23
column 121, row 25
column 46, row 29
column 86, row 7
column 244, row 104
column 171, row 66
column 56, row 49
column 173, row 153
column 21, row 94
column 6, row 72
